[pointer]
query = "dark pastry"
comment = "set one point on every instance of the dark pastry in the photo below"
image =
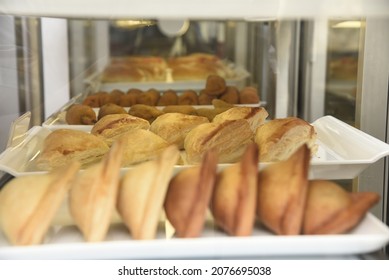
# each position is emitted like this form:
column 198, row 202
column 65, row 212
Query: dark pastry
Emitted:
column 188, row 97
column 146, row 112
column 109, row 109
column 231, row 95
column 80, row 114
column 249, row 95
column 215, row 85
column 169, row 97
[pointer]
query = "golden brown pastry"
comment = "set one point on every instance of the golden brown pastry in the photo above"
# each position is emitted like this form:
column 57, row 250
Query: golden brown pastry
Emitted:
column 230, row 95
column 210, row 113
column 279, row 138
column 189, row 195
column 142, row 193
column 234, row 199
column 249, row 95
column 173, row 127
column 149, row 113
column 229, row 139
column 255, row 116
column 215, row 85
column 332, row 210
column 29, row 203
column 218, row 103
column 141, row 145
column 183, row 109
column 93, row 195
column 282, row 193
column 80, row 114
column 63, row 146
column 169, row 97
column 110, row 108
column 188, row 97
column 134, row 91
column 92, row 101
column 119, row 72
column 111, row 127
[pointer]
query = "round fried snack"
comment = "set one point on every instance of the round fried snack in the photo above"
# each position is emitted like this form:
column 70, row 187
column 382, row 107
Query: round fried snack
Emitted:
column 188, row 97
column 149, row 97
column 146, row 112
column 105, row 98
column 116, row 95
column 92, row 101
column 110, row 108
column 80, row 114
column 215, row 85
column 205, row 99
column 249, row 95
column 127, row 100
column 231, row 95
column 169, row 97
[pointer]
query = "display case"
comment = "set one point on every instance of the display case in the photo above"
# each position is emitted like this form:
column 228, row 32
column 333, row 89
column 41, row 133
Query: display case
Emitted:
column 322, row 61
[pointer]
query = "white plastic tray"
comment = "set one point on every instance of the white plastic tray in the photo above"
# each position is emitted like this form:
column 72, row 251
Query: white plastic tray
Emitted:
column 67, row 243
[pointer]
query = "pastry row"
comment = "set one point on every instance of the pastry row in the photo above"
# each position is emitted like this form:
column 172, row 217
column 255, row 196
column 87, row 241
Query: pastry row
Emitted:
column 229, row 133
column 280, row 197
column 196, row 66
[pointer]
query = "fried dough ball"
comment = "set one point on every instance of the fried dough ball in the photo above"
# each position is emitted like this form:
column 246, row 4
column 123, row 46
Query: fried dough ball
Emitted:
column 146, row 112
column 188, row 97
column 183, row 109
column 249, row 95
column 127, row 100
column 169, row 97
column 92, row 101
column 205, row 99
column 134, row 91
column 80, row 114
column 109, row 109
column 231, row 95
column 106, row 98
column 116, row 95
column 149, row 97
column 215, row 85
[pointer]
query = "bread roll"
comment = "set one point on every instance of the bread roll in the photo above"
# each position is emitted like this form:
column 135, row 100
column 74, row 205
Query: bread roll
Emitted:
column 189, row 195
column 110, row 127
column 173, row 127
column 63, row 146
column 142, row 193
column 279, row 138
column 93, row 195
column 234, row 199
column 255, row 116
column 141, row 145
column 29, row 203
column 332, row 210
column 229, row 139
column 282, row 193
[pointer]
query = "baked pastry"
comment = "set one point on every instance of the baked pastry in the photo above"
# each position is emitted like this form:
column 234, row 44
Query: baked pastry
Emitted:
column 218, row 103
column 111, row 127
column 282, row 193
column 93, row 195
column 149, row 113
column 121, row 72
column 188, row 97
column 110, row 108
column 63, row 146
column 230, row 95
column 169, row 97
column 249, row 95
column 255, row 116
column 142, row 193
column 234, row 198
column 229, row 139
column 127, row 100
column 279, row 138
column 105, row 98
column 183, row 109
column 141, row 145
column 80, row 114
column 210, row 113
column 215, row 85
column 189, row 195
column 29, row 203
column 173, row 127
column 332, row 210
